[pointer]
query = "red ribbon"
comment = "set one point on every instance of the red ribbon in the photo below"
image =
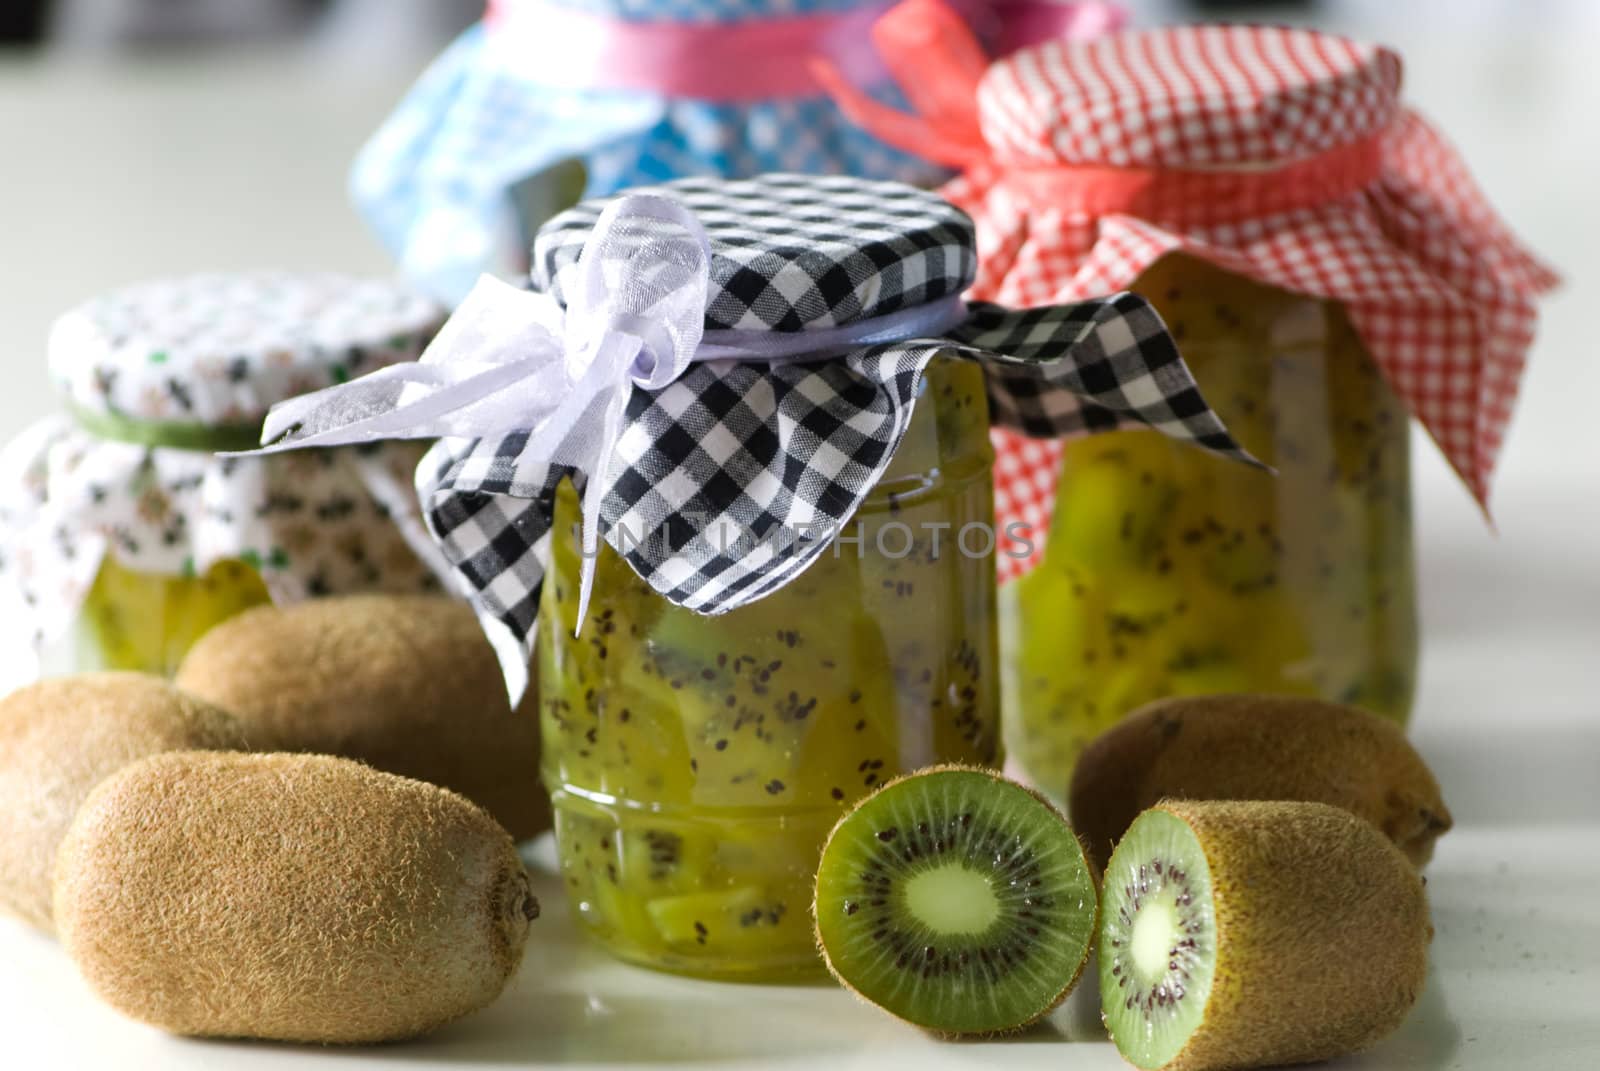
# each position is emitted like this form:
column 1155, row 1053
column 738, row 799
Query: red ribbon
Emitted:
column 939, row 63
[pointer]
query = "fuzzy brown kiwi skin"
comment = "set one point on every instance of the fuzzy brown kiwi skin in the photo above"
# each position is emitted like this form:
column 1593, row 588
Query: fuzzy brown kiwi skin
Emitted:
column 404, row 683
column 1257, row 747
column 1066, row 989
column 1295, row 883
column 292, row 898
column 61, row 737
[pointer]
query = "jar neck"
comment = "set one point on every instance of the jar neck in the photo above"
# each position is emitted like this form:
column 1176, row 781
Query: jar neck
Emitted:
column 169, row 434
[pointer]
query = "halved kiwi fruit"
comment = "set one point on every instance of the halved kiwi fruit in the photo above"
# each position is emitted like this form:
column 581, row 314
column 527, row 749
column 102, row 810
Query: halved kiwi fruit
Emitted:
column 1253, row 934
column 957, row 901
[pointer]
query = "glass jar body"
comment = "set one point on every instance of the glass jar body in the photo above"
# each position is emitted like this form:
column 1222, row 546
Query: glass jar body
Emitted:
column 305, row 524
column 697, row 763
column 146, row 622
column 1169, row 571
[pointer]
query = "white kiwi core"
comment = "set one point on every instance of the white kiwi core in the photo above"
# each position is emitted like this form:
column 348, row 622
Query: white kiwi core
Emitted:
column 1155, row 930
column 952, row 900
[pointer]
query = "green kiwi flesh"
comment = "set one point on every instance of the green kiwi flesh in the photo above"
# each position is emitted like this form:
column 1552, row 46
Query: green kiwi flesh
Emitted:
column 1158, row 940
column 956, row 900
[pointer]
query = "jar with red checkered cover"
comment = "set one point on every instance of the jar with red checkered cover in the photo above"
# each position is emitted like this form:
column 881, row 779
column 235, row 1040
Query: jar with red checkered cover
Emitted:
column 1327, row 267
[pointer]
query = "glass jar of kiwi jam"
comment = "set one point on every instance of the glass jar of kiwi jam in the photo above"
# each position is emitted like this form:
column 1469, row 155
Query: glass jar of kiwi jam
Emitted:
column 697, row 763
column 1171, row 572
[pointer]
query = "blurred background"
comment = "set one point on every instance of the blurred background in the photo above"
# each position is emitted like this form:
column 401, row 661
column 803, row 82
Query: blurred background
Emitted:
column 142, row 137
column 148, row 137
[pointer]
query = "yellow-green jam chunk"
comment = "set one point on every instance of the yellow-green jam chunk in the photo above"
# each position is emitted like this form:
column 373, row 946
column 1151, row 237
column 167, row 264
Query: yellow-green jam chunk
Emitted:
column 698, row 763
column 1172, row 572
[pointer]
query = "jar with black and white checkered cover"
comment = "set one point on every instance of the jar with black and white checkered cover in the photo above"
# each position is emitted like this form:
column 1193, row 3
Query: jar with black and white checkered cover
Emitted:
column 698, row 761
column 725, row 465
column 123, row 538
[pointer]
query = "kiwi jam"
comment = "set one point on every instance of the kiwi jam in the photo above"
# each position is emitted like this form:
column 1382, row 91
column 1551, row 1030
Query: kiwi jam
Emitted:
column 698, row 763
column 146, row 622
column 1168, row 571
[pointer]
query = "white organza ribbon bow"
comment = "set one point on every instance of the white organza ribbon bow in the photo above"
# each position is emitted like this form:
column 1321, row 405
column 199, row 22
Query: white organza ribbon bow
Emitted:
column 511, row 360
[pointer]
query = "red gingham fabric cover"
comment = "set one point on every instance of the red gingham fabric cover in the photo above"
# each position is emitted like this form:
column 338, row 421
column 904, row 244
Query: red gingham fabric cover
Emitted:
column 1438, row 288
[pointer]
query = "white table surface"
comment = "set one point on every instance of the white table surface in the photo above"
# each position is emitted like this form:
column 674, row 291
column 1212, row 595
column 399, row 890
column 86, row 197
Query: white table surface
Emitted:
column 112, row 174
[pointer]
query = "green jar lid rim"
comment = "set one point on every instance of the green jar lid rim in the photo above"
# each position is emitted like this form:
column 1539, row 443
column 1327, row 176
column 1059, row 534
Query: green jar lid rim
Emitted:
column 168, row 434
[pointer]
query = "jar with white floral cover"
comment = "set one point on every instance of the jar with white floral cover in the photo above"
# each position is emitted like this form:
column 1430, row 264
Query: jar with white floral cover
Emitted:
column 124, row 536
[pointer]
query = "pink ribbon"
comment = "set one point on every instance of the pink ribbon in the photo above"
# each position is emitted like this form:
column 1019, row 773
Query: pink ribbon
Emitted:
column 748, row 60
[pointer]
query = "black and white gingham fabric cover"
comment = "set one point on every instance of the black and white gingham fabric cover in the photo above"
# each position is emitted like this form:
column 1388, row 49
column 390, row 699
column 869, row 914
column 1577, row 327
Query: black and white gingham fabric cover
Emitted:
column 742, row 448
column 791, row 252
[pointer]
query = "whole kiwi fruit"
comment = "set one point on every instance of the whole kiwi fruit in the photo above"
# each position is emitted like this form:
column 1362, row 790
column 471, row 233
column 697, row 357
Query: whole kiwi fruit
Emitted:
column 1257, row 747
column 404, row 683
column 61, row 737
column 297, row 898
column 1256, row 934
